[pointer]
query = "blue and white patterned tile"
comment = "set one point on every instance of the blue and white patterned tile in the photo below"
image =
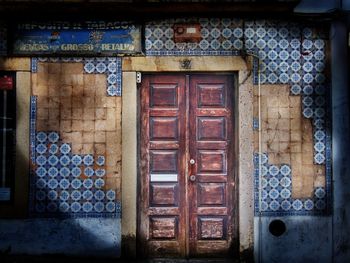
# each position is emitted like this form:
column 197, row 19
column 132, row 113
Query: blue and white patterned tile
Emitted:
column 99, row 195
column 99, row 183
column 64, row 184
column 76, row 160
column 41, row 160
column 100, row 172
column 65, row 160
column 110, row 207
column 88, row 183
column 65, row 148
column 99, row 207
column 88, row 159
column 87, row 207
column 308, row 113
column 276, row 194
column 76, row 195
column 53, row 160
column 41, row 171
column 53, row 137
column 41, row 137
column 88, row 195
column 320, row 192
column 64, row 195
column 89, row 171
column 76, row 184
column 52, row 184
column 64, row 172
column 319, row 135
column 53, row 149
column 297, row 205
column 75, row 207
column 110, row 195
column 76, row 172
column 100, row 161
column 285, row 170
column 53, row 171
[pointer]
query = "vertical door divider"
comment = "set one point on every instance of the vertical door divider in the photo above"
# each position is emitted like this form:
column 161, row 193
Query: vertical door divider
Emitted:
column 187, row 156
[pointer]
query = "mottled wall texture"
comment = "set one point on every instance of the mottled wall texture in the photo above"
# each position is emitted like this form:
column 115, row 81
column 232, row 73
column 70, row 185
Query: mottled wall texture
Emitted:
column 291, row 66
column 291, row 179
column 76, row 141
column 75, row 121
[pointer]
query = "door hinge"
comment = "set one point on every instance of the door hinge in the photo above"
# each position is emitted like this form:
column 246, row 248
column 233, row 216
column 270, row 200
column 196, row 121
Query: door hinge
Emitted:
column 138, row 77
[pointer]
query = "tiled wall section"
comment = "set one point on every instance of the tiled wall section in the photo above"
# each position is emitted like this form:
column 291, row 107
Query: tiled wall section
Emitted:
column 289, row 53
column 291, row 179
column 75, row 141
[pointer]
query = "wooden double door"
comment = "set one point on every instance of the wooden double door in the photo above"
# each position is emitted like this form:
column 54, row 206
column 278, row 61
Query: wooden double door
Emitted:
column 186, row 193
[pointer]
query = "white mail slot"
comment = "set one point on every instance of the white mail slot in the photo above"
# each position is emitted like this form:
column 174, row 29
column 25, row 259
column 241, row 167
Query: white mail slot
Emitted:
column 191, row 30
column 163, row 177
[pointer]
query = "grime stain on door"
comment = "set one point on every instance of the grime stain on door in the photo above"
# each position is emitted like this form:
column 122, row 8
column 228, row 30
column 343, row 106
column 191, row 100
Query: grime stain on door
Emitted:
column 186, row 186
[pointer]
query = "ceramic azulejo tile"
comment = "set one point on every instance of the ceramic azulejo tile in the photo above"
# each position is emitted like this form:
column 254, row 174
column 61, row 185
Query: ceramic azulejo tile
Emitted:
column 58, row 188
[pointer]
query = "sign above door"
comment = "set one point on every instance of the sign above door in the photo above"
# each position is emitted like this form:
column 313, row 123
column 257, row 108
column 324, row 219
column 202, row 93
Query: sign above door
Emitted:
column 97, row 38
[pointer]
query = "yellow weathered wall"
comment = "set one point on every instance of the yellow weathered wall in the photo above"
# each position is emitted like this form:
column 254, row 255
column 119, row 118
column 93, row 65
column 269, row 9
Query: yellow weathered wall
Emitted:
column 76, row 105
column 287, row 138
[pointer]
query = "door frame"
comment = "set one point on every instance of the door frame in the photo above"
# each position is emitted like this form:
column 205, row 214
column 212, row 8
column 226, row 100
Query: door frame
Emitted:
column 234, row 173
column 239, row 66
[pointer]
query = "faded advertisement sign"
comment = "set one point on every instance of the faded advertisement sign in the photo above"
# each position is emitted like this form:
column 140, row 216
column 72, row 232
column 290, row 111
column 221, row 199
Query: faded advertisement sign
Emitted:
column 72, row 38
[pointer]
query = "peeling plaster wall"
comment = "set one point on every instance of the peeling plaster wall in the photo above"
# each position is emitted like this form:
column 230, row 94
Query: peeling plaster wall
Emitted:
column 75, row 141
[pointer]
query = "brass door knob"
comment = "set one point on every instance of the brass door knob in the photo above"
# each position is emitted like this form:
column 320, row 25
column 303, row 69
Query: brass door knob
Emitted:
column 192, row 161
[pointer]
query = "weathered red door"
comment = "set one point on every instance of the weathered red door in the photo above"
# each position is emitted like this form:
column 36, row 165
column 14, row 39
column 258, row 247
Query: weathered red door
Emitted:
column 186, row 190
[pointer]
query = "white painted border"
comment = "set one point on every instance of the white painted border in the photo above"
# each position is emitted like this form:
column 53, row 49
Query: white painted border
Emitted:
column 163, row 177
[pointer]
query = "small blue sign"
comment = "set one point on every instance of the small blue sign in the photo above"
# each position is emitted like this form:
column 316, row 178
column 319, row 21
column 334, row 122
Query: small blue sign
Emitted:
column 87, row 38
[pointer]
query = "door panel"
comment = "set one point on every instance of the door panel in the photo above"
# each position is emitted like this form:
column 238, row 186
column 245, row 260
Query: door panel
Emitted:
column 211, row 146
column 162, row 184
column 181, row 215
